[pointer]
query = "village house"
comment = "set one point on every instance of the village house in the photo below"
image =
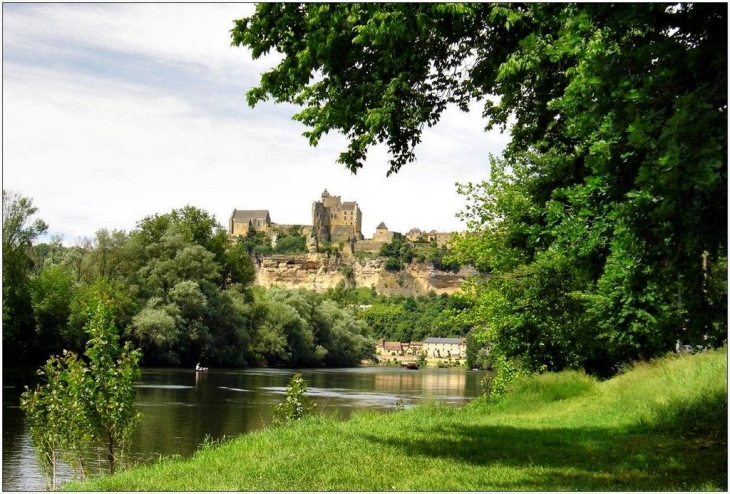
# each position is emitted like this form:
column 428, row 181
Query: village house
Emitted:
column 389, row 348
column 445, row 347
column 413, row 349
column 441, row 238
column 398, row 349
column 415, row 235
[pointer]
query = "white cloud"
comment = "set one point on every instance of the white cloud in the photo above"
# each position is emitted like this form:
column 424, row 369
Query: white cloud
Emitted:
column 96, row 150
column 182, row 33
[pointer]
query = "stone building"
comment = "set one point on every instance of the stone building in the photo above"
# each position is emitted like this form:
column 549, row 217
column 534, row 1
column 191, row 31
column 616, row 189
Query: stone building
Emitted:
column 445, row 347
column 415, row 235
column 441, row 238
column 336, row 221
column 242, row 221
column 382, row 234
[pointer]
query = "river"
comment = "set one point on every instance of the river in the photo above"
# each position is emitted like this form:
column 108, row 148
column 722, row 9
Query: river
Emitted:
column 182, row 407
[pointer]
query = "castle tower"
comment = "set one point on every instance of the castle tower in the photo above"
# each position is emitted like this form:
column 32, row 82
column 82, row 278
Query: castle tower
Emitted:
column 336, row 221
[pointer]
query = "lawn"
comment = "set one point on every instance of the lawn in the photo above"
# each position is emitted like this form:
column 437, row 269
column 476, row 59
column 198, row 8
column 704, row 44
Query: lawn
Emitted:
column 657, row 426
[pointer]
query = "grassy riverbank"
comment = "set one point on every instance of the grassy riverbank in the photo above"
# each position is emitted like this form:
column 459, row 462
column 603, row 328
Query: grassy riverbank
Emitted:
column 659, row 426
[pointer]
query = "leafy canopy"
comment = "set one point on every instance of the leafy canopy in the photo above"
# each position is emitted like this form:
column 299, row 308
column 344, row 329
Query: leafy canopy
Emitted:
column 605, row 223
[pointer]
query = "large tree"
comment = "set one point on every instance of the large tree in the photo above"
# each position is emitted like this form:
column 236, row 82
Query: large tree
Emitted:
column 20, row 231
column 611, row 197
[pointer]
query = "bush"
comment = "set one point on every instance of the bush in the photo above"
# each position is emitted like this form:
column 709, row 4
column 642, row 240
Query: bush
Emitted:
column 81, row 404
column 291, row 244
column 393, row 264
column 295, row 406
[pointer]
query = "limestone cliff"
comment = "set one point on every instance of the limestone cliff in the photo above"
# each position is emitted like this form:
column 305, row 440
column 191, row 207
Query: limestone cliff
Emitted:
column 319, row 272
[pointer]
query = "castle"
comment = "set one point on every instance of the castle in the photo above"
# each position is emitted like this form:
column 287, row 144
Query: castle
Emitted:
column 336, row 221
column 332, row 221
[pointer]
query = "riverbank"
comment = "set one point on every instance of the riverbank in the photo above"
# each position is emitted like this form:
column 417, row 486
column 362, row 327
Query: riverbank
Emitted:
column 659, row 426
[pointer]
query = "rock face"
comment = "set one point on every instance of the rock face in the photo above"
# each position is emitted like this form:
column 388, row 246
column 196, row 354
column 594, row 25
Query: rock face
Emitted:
column 320, row 272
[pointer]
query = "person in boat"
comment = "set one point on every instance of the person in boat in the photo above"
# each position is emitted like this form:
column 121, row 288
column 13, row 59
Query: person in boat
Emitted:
column 199, row 368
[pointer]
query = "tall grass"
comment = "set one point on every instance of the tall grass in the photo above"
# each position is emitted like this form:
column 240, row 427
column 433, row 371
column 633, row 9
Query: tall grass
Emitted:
column 658, row 426
column 684, row 395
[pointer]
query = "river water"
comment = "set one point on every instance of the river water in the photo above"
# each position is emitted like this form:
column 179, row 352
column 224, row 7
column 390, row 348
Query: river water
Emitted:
column 182, row 407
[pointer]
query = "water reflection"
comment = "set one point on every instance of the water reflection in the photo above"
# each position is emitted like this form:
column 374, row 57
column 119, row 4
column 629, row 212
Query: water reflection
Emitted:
column 439, row 382
column 181, row 407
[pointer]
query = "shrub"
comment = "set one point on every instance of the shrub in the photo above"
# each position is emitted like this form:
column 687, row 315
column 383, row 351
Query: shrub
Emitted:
column 81, row 404
column 393, row 264
column 295, row 406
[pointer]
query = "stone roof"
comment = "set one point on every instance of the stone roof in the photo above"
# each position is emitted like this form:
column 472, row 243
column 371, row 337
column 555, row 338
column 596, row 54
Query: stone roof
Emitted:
column 349, row 205
column 443, row 341
column 381, row 226
column 244, row 216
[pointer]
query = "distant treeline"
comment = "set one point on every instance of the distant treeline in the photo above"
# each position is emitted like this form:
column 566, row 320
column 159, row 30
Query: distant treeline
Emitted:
column 183, row 293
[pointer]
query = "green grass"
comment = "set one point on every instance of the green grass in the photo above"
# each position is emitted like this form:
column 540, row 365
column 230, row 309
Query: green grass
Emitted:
column 658, row 426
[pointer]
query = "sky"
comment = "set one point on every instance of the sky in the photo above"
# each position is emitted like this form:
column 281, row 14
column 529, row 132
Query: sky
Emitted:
column 114, row 112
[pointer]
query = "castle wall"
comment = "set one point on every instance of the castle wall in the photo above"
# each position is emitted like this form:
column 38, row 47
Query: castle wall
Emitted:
column 341, row 233
column 369, row 245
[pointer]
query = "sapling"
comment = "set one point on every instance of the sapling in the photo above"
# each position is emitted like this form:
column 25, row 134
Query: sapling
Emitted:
column 296, row 405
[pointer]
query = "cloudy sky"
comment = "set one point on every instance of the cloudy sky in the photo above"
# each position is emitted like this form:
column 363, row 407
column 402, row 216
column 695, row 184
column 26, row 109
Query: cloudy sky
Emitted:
column 112, row 112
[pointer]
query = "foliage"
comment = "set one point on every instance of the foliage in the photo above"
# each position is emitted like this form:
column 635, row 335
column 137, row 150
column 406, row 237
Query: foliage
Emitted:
column 198, row 227
column 51, row 252
column 496, row 386
column 256, row 243
column 51, row 292
column 187, row 313
column 108, row 388
column 443, row 260
column 415, row 318
column 293, row 243
column 56, row 417
column 611, row 198
column 82, row 404
column 296, row 405
column 393, row 264
column 302, row 328
column 378, row 62
column 20, row 231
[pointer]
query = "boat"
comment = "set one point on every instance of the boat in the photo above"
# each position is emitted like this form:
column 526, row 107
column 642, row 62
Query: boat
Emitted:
column 412, row 366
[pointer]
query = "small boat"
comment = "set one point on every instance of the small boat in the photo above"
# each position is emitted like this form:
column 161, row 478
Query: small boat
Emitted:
column 412, row 366
column 198, row 368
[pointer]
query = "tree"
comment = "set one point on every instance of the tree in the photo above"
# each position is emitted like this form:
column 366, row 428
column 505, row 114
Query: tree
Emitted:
column 108, row 388
column 186, row 315
column 51, row 252
column 20, row 230
column 51, row 293
column 615, row 176
column 55, row 416
column 85, row 404
column 291, row 244
column 199, row 227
